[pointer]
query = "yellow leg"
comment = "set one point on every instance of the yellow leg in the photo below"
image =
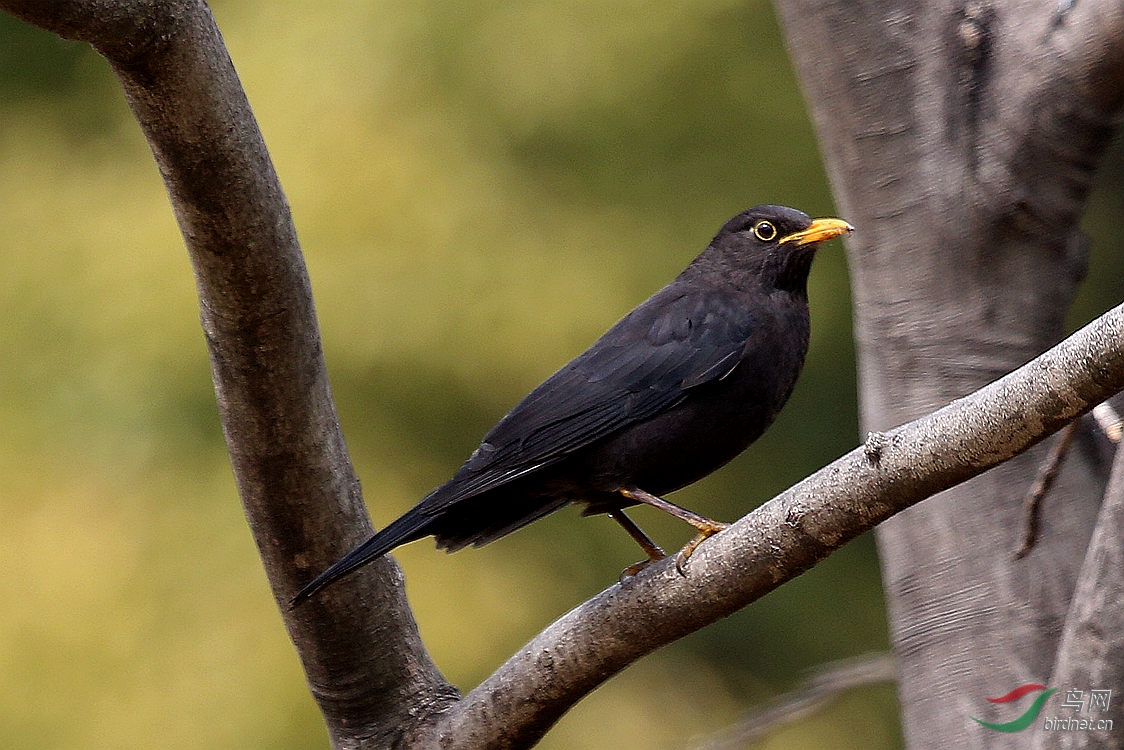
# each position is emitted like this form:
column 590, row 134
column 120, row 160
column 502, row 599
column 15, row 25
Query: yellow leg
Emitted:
column 653, row 550
column 705, row 526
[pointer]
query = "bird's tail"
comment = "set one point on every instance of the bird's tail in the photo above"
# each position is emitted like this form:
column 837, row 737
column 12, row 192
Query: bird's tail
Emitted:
column 406, row 529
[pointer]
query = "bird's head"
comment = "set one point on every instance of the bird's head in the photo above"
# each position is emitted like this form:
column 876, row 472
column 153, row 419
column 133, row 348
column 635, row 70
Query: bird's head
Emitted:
column 773, row 245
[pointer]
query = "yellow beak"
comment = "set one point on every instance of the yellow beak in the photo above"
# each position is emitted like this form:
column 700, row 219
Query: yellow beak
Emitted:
column 820, row 230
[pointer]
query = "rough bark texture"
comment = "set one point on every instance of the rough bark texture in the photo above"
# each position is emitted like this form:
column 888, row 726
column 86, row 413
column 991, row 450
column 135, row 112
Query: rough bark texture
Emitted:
column 784, row 537
column 967, row 200
column 1091, row 655
column 365, row 662
column 963, row 138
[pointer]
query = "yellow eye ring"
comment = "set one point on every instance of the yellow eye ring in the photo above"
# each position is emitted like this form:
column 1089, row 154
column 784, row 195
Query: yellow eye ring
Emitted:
column 765, row 231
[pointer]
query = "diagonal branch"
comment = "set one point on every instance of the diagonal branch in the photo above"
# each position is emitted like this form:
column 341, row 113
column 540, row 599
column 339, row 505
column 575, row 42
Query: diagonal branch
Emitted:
column 827, row 683
column 1091, row 652
column 962, row 138
column 786, row 536
column 359, row 644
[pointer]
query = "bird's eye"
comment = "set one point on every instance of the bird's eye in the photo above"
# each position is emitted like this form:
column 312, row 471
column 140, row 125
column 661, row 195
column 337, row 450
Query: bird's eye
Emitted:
column 765, row 231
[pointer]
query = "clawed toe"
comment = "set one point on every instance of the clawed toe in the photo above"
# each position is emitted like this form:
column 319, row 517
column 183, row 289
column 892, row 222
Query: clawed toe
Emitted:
column 689, row 548
column 636, row 567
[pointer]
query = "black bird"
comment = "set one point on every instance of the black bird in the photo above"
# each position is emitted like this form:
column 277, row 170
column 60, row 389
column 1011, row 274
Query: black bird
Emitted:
column 673, row 391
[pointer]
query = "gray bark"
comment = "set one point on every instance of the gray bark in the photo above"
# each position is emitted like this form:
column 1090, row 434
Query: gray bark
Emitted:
column 784, row 537
column 963, row 138
column 1091, row 653
column 951, row 291
column 363, row 656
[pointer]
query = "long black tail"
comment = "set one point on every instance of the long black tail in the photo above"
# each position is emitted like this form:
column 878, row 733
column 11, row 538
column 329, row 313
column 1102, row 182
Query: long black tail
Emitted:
column 409, row 527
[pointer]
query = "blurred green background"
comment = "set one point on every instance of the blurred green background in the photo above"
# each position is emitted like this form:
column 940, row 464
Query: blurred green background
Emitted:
column 481, row 189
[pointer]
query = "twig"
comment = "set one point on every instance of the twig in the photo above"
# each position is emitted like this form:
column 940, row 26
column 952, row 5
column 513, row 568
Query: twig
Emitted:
column 825, row 685
column 1047, row 473
column 1110, row 424
column 1109, row 421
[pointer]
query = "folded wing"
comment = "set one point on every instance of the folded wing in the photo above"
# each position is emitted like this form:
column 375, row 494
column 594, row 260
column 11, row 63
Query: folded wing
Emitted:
column 645, row 364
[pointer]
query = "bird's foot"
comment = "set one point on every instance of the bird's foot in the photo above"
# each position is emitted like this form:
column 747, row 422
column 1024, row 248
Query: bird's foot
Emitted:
column 636, row 567
column 654, row 551
column 705, row 526
column 705, row 532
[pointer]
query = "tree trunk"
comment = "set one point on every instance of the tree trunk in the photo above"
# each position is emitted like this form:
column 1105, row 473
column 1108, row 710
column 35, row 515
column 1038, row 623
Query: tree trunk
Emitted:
column 962, row 143
column 962, row 139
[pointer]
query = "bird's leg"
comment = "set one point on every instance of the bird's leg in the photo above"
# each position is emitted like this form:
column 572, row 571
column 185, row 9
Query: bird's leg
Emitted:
column 705, row 526
column 655, row 552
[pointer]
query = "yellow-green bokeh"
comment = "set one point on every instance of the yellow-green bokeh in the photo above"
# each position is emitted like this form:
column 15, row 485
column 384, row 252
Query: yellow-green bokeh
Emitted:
column 481, row 189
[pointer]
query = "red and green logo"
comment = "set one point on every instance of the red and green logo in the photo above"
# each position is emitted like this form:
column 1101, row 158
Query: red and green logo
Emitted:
column 1028, row 716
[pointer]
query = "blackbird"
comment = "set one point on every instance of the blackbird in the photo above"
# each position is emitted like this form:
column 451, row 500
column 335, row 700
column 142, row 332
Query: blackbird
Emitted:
column 673, row 391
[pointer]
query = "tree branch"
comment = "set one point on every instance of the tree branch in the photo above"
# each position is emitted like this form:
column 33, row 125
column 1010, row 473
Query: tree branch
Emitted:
column 785, row 537
column 1091, row 652
column 358, row 642
column 361, row 652
column 961, row 137
column 827, row 683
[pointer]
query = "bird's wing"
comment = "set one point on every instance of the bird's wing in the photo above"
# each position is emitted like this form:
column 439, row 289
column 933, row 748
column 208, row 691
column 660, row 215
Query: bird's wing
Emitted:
column 645, row 364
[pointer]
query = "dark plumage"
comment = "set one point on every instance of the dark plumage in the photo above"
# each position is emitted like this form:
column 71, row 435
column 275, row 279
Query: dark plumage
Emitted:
column 673, row 391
